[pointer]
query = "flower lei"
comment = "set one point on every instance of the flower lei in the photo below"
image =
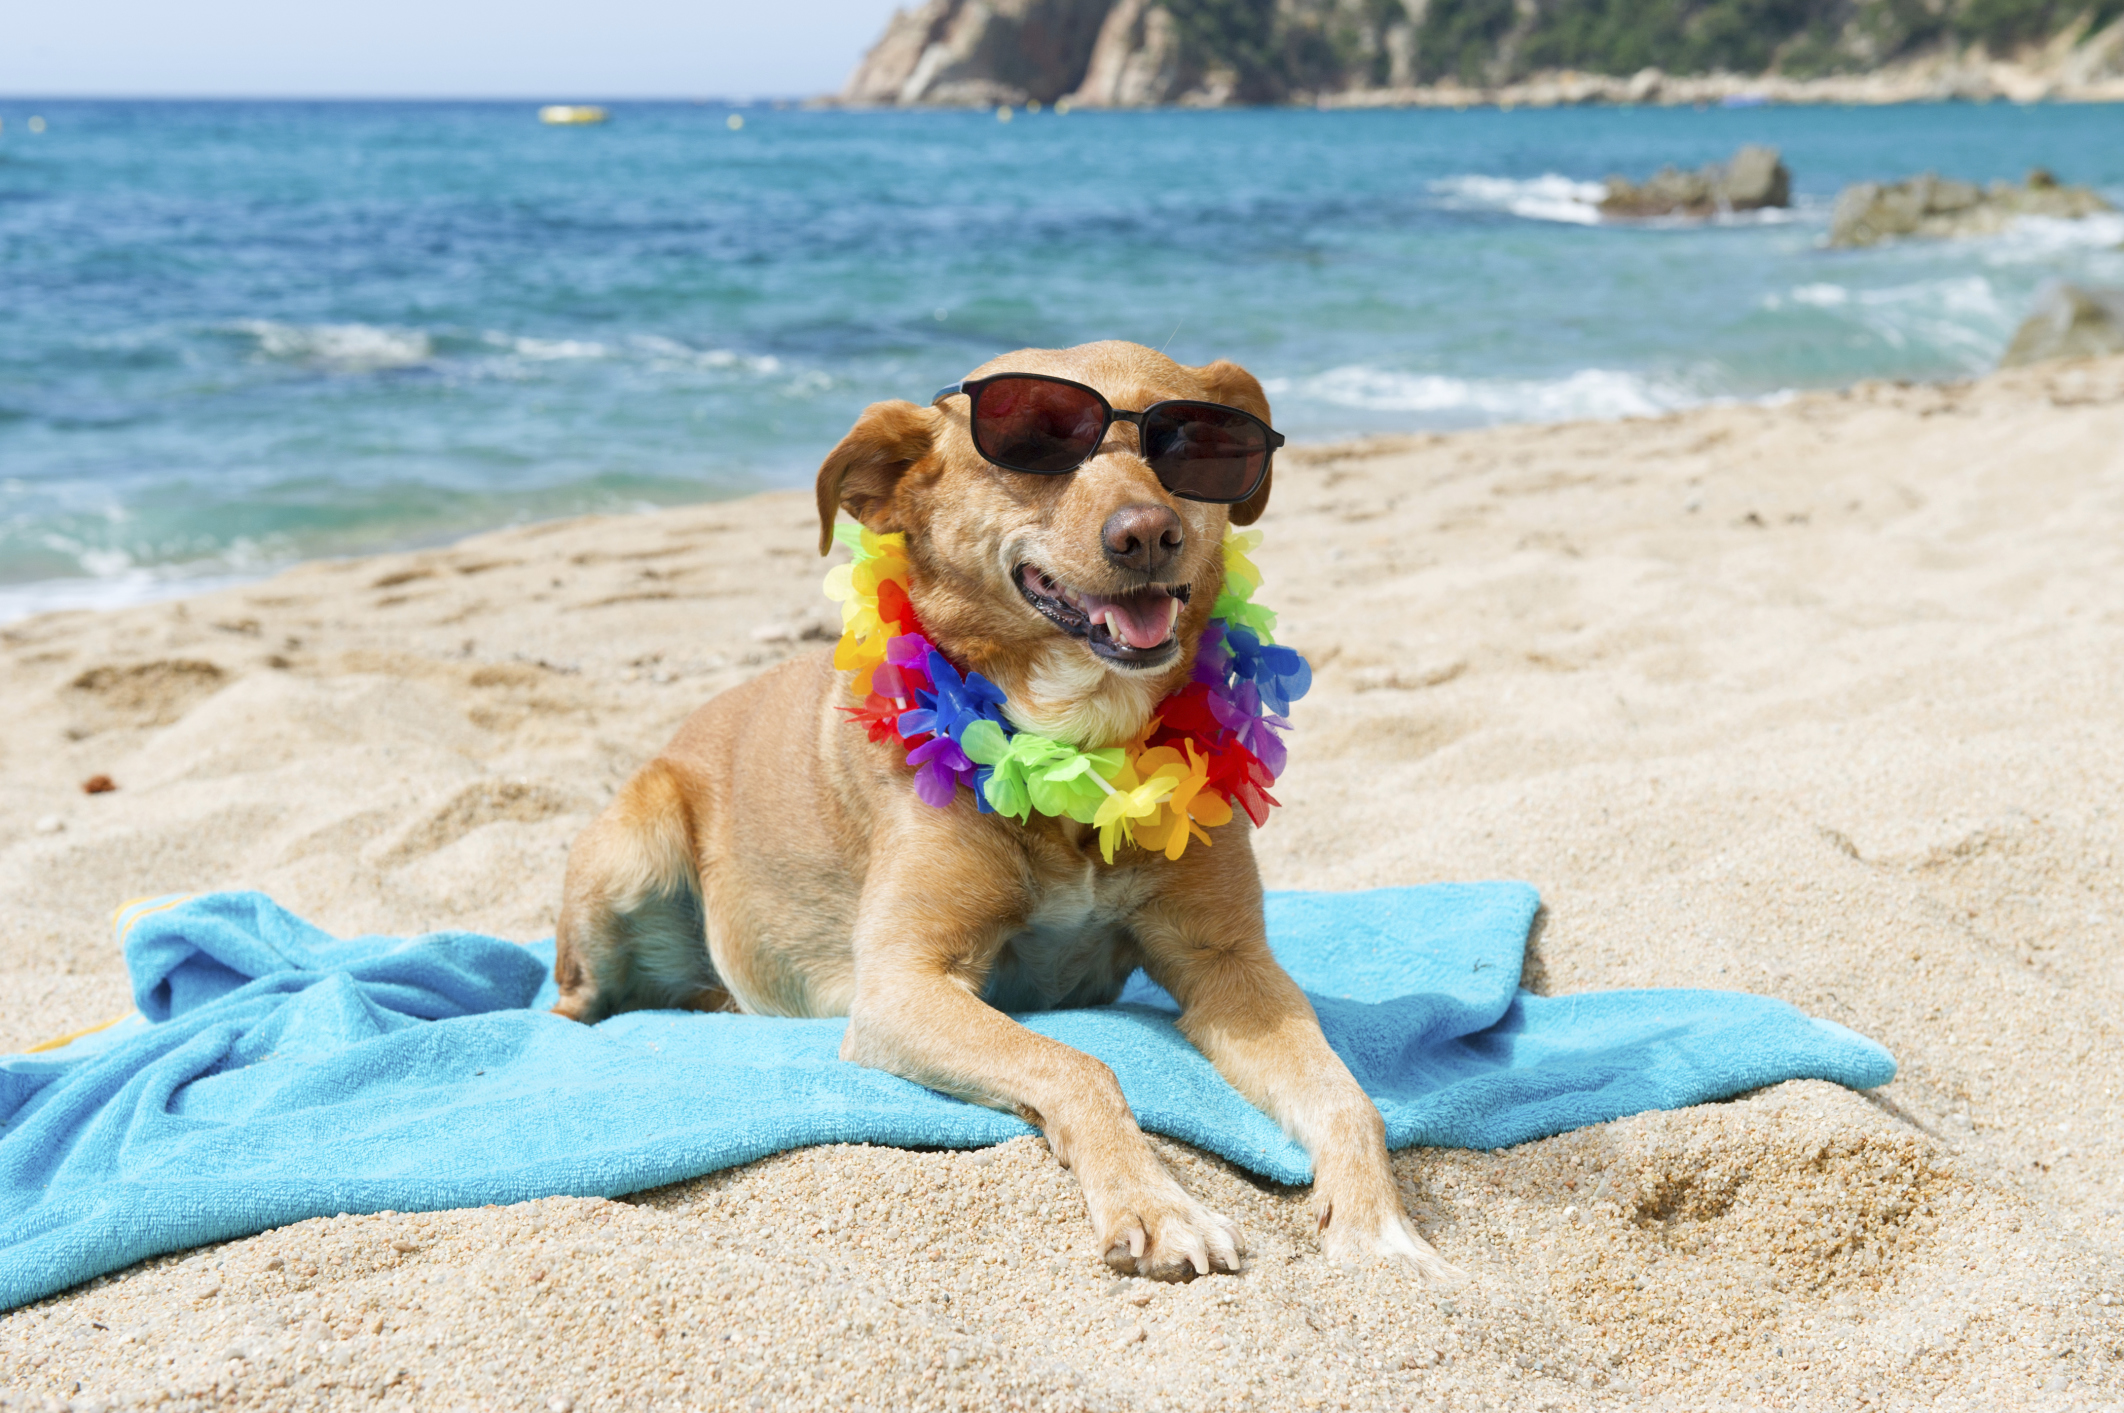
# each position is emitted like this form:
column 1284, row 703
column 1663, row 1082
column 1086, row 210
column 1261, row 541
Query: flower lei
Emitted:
column 1210, row 745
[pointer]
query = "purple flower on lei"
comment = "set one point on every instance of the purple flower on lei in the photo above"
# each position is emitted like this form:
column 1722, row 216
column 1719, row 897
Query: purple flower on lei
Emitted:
column 1213, row 661
column 941, row 768
column 901, row 675
column 1238, row 710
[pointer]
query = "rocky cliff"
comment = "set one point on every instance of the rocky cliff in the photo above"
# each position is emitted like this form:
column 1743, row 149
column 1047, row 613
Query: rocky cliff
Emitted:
column 1134, row 53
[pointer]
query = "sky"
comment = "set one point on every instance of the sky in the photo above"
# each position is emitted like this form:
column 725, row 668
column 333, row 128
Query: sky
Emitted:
column 544, row 49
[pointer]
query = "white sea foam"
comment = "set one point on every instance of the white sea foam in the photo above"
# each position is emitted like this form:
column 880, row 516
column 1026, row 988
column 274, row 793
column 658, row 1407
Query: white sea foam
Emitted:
column 1589, row 394
column 1820, row 296
column 553, row 350
column 122, row 589
column 1544, row 198
column 110, row 576
column 672, row 351
column 361, row 348
column 342, row 347
column 1961, row 316
column 1766, row 216
column 655, row 349
column 2033, row 238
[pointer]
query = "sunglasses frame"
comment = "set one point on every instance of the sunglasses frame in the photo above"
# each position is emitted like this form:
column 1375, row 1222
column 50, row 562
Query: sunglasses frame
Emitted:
column 973, row 387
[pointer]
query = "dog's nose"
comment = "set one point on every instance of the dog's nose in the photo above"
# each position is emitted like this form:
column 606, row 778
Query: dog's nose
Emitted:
column 1144, row 538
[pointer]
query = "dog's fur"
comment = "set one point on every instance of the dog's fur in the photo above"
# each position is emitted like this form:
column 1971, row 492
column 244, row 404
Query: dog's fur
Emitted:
column 774, row 860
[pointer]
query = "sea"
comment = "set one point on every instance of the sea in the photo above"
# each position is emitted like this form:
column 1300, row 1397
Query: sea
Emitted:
column 238, row 334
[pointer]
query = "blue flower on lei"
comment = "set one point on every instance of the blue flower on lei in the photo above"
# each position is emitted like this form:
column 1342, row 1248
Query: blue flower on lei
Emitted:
column 1281, row 674
column 953, row 704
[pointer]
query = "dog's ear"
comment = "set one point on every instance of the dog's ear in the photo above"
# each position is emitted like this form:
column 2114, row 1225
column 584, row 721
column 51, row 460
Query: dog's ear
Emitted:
column 1233, row 386
column 862, row 471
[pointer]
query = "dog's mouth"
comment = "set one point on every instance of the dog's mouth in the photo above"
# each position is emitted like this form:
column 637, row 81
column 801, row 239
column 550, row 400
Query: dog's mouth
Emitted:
column 1136, row 629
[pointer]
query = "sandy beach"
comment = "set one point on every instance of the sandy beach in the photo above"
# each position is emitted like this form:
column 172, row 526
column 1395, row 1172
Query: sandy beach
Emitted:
column 1819, row 700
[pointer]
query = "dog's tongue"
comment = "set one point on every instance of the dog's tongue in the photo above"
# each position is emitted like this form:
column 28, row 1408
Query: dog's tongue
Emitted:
column 1145, row 620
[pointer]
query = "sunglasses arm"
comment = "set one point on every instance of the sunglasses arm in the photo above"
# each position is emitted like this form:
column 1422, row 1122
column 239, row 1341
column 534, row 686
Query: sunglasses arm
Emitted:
column 941, row 393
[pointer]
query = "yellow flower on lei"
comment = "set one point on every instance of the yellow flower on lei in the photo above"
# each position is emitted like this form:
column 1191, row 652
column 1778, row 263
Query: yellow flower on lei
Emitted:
column 1132, row 799
column 1190, row 810
column 879, row 559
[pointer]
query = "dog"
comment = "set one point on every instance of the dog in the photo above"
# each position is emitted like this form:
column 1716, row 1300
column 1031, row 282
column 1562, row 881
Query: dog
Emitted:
column 774, row 860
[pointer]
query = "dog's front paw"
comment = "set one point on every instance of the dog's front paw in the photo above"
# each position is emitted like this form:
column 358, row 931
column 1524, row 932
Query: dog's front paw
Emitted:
column 1157, row 1231
column 1356, row 1230
column 1393, row 1237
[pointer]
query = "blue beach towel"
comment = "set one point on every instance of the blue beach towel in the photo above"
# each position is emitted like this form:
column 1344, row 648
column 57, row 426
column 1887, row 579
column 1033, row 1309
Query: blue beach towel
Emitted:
column 275, row 1073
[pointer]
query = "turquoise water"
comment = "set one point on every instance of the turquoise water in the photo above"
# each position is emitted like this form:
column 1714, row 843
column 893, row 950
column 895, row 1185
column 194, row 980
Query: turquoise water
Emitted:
column 237, row 334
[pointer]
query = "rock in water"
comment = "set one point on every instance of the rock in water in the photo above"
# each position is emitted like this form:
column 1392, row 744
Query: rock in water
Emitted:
column 1756, row 177
column 1929, row 205
column 2071, row 322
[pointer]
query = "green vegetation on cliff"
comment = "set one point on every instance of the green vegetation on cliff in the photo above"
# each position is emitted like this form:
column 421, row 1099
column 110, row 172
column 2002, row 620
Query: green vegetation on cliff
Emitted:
column 1480, row 41
column 1274, row 48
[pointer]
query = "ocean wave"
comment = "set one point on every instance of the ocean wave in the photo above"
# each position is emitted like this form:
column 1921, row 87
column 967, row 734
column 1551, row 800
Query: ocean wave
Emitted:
column 1768, row 216
column 548, row 350
column 371, row 348
column 1559, row 198
column 111, row 576
column 1964, row 317
column 2033, row 238
column 1591, row 394
column 1818, row 296
column 354, row 348
column 122, row 589
column 656, row 345
column 652, row 350
column 1549, row 197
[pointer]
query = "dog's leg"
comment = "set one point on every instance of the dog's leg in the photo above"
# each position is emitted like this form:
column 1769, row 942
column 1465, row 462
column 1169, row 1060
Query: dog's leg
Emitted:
column 1242, row 1010
column 631, row 933
column 920, row 952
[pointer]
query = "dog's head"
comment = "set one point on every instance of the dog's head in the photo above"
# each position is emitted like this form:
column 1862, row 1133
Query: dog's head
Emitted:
column 1081, row 595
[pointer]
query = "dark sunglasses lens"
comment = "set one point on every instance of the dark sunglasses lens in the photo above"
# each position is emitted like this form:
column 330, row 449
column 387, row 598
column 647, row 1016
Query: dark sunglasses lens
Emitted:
column 1204, row 451
column 1027, row 424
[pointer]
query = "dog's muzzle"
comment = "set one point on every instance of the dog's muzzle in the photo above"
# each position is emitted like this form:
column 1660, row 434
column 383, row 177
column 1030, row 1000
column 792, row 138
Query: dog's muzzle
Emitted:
column 1135, row 629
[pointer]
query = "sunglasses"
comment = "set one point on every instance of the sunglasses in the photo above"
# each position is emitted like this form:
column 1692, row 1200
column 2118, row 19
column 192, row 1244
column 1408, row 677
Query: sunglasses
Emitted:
column 1050, row 426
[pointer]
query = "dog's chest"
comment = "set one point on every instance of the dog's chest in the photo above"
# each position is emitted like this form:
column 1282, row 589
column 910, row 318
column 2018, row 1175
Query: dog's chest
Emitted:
column 1076, row 947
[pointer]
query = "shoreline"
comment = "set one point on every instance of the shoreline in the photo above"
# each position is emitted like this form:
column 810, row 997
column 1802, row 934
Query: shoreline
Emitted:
column 1925, row 81
column 1566, row 88
column 1815, row 701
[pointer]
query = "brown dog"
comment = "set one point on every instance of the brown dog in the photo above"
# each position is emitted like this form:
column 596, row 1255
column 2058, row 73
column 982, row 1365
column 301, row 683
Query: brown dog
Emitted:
column 775, row 860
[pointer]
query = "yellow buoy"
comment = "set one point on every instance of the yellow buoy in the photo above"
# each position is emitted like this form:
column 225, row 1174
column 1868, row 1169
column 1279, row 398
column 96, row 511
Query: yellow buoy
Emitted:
column 1002, row 112
column 36, row 124
column 735, row 122
column 1061, row 107
column 571, row 114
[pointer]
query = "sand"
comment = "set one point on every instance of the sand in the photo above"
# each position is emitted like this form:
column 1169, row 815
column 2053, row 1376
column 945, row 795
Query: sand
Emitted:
column 1819, row 700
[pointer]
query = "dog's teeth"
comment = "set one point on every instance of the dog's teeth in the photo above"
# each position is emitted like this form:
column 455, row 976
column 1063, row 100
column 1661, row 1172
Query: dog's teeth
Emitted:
column 1172, row 615
column 1112, row 620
